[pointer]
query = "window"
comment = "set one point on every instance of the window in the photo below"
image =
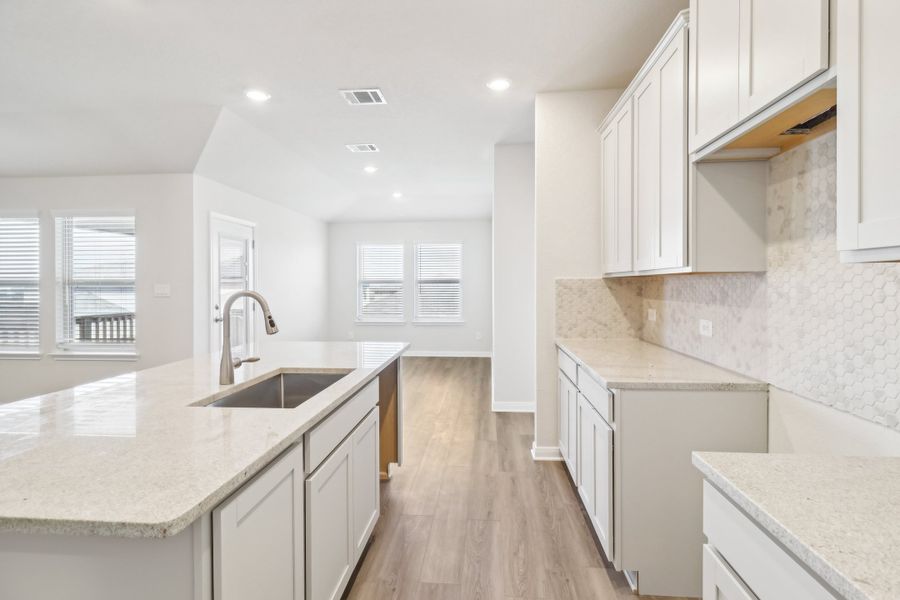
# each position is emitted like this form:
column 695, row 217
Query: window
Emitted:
column 439, row 282
column 19, row 284
column 379, row 282
column 95, row 266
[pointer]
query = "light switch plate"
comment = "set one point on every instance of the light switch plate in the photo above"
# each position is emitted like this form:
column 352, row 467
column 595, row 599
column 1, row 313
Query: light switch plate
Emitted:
column 651, row 314
column 706, row 328
column 162, row 290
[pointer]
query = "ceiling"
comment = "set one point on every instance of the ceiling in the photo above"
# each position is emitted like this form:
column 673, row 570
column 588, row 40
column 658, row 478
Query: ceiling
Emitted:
column 139, row 86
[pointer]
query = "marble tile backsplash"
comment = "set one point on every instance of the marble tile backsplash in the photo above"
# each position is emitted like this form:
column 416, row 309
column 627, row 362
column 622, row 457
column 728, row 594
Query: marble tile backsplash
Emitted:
column 597, row 308
column 810, row 325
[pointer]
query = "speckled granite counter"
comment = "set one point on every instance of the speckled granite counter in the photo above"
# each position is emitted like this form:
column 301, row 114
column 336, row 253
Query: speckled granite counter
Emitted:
column 630, row 363
column 132, row 456
column 840, row 516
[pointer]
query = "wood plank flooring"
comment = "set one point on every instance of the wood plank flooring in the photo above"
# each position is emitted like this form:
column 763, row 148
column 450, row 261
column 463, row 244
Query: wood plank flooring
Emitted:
column 470, row 515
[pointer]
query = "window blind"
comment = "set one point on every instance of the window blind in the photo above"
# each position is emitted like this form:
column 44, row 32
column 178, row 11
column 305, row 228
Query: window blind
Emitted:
column 95, row 280
column 20, row 284
column 438, row 282
column 380, row 282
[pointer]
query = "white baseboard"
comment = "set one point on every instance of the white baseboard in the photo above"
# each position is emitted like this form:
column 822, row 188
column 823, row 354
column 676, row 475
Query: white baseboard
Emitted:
column 512, row 407
column 545, row 453
column 450, row 353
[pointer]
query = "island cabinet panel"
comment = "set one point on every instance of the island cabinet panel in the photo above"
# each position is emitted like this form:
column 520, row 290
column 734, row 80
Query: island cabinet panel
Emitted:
column 258, row 535
column 329, row 561
column 365, row 485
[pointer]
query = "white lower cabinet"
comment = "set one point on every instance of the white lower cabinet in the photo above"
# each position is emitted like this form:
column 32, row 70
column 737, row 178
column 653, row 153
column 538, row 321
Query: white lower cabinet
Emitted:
column 568, row 423
column 341, row 510
column 595, row 483
column 258, row 535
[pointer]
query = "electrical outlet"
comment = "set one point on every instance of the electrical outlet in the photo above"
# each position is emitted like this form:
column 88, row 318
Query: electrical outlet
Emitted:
column 162, row 290
column 651, row 314
column 350, row 335
column 706, row 329
column 478, row 335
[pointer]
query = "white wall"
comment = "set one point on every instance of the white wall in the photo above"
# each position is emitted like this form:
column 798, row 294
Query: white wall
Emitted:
column 435, row 339
column 567, row 222
column 162, row 205
column 291, row 259
column 513, row 380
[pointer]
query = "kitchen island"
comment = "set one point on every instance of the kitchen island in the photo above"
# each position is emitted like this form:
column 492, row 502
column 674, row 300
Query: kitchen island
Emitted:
column 112, row 486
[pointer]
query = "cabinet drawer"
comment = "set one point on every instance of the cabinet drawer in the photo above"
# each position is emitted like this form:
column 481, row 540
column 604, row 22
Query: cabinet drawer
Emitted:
column 759, row 562
column 567, row 365
column 599, row 397
column 325, row 437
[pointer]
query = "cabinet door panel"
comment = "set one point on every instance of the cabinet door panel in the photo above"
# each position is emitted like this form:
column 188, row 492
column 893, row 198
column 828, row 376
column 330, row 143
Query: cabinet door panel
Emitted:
column 258, row 535
column 868, row 210
column 714, row 76
column 602, row 516
column 586, row 454
column 646, row 170
column 563, row 403
column 617, row 198
column 365, row 488
column 329, row 561
column 572, row 401
column 672, row 227
column 719, row 581
column 782, row 45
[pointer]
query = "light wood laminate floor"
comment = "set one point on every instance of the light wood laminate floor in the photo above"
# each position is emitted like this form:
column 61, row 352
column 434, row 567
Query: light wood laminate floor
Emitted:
column 469, row 515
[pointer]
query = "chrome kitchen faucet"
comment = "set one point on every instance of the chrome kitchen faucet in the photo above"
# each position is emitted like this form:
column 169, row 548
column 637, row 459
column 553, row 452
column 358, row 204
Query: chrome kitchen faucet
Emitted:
column 228, row 365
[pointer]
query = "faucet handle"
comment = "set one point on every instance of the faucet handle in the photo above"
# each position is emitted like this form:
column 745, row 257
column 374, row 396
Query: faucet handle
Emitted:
column 239, row 361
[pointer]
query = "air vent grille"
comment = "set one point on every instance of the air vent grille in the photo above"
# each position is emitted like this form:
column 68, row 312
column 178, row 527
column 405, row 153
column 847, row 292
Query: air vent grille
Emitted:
column 364, row 96
column 362, row 147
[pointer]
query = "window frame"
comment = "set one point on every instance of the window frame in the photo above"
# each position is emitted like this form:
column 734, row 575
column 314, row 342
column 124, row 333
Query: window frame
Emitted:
column 360, row 318
column 89, row 350
column 30, row 351
column 431, row 320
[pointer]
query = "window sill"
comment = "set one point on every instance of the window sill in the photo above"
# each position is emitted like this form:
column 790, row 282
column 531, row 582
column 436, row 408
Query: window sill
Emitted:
column 440, row 322
column 373, row 322
column 96, row 355
column 20, row 355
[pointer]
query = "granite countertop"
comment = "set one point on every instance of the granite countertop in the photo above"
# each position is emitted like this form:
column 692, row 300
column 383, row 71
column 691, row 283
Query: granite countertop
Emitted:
column 630, row 363
column 840, row 516
column 134, row 456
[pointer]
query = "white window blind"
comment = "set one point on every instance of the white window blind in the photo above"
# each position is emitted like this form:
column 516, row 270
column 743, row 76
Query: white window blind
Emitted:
column 19, row 284
column 439, row 282
column 95, row 272
column 380, row 282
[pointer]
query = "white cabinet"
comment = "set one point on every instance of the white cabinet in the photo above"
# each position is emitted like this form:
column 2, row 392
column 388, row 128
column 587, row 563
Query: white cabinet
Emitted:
column 660, row 160
column 341, row 510
column 714, row 75
column 258, row 535
column 719, row 581
column 746, row 54
column 868, row 210
column 365, row 483
column 568, row 424
column 616, row 173
column 595, row 484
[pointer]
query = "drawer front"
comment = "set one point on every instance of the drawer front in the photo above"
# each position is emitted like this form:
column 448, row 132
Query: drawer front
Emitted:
column 719, row 581
column 567, row 365
column 599, row 397
column 325, row 437
column 759, row 562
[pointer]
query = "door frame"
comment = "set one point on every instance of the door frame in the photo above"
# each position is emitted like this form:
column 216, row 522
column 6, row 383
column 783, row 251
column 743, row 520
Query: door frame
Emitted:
column 216, row 219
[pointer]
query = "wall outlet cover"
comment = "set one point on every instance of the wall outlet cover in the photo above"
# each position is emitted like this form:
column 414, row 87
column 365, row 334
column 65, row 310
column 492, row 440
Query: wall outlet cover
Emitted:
column 162, row 290
column 651, row 314
column 706, row 328
column 478, row 335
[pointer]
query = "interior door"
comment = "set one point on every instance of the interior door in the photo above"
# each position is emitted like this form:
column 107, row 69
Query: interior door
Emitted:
column 232, row 268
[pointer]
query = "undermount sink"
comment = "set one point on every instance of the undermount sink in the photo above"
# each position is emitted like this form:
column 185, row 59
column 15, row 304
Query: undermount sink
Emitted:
column 288, row 390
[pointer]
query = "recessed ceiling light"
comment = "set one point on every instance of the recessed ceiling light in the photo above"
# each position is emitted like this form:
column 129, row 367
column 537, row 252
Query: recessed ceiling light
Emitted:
column 370, row 169
column 258, row 95
column 397, row 195
column 499, row 85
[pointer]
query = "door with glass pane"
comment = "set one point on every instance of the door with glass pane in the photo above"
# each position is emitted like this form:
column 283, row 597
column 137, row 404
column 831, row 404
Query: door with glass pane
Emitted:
column 232, row 270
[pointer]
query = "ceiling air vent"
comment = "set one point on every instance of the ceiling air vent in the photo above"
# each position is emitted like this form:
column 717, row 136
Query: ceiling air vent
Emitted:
column 362, row 147
column 361, row 97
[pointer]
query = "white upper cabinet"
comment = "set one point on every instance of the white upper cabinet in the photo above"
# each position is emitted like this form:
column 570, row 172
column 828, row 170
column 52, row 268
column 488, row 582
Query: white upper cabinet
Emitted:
column 714, row 73
column 660, row 160
column 746, row 54
column 616, row 168
column 782, row 45
column 868, row 207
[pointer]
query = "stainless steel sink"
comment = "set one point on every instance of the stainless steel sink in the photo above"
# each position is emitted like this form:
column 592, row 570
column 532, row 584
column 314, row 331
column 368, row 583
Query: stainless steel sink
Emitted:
column 288, row 390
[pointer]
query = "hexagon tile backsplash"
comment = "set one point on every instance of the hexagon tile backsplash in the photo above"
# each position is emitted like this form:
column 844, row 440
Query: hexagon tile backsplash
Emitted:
column 810, row 325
